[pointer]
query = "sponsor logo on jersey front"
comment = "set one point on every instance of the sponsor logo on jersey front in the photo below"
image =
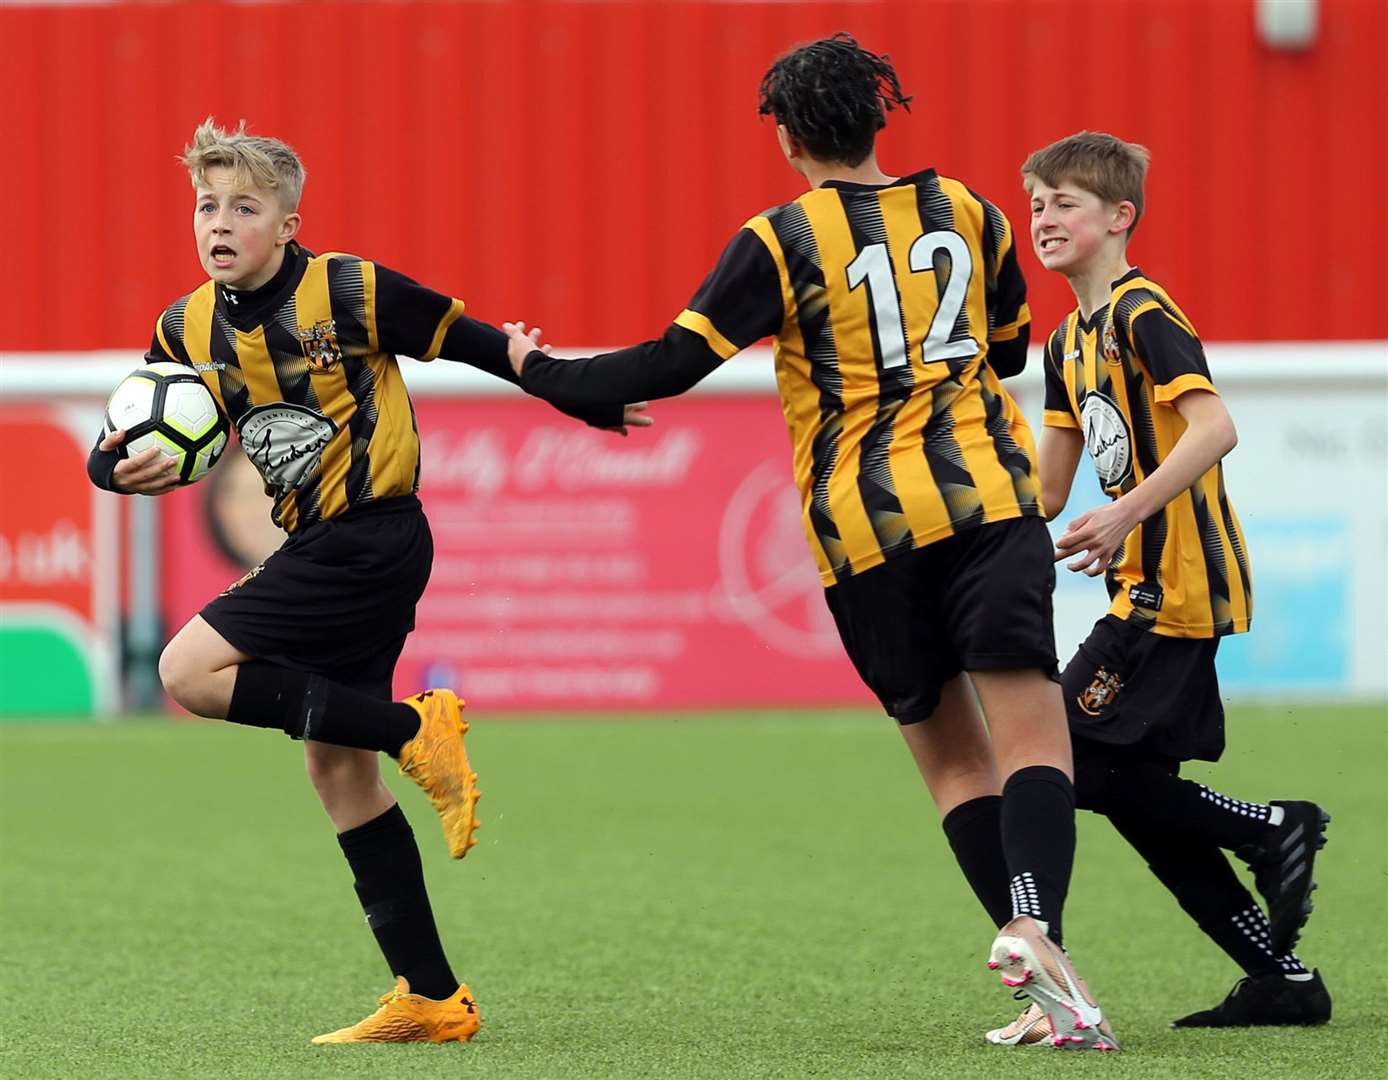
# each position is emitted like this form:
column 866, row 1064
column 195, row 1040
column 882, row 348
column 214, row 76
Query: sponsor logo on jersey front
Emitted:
column 285, row 442
column 1108, row 438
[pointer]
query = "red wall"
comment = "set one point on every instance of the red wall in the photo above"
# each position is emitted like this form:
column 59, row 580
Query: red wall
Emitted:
column 581, row 164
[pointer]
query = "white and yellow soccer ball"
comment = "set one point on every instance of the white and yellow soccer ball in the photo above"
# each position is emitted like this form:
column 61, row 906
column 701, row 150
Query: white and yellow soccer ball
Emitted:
column 166, row 405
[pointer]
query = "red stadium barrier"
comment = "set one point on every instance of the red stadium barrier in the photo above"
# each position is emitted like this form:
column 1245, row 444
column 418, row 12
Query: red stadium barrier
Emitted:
column 574, row 568
column 582, row 164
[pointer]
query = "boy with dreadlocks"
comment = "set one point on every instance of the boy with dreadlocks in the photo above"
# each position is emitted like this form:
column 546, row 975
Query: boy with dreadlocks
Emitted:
column 885, row 296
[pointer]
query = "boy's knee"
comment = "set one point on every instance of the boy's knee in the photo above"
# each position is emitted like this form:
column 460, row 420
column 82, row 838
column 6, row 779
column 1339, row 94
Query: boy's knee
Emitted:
column 178, row 675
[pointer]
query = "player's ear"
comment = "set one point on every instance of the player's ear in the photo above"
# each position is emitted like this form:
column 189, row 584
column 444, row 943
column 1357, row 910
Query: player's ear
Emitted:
column 790, row 145
column 1124, row 214
column 289, row 228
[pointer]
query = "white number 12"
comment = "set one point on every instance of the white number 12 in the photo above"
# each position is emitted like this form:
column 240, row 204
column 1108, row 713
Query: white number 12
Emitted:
column 874, row 267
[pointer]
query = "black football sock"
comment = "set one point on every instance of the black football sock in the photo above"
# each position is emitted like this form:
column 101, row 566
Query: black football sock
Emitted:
column 1038, row 841
column 1149, row 789
column 974, row 831
column 1205, row 885
column 389, row 880
column 306, row 706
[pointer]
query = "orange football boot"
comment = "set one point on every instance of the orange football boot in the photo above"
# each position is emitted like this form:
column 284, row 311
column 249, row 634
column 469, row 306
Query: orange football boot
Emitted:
column 436, row 761
column 406, row 1017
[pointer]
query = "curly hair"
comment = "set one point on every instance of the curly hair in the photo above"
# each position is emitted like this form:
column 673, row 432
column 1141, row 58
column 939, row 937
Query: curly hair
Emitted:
column 833, row 96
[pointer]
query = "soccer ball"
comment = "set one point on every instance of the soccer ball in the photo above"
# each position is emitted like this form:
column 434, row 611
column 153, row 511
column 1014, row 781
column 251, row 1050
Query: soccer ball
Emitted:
column 166, row 405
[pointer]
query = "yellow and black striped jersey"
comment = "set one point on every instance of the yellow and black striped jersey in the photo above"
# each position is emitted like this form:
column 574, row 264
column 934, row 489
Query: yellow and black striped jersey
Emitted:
column 884, row 302
column 1184, row 571
column 304, row 368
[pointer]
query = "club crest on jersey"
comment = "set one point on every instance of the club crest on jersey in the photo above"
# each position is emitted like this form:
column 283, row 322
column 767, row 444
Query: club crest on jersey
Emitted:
column 1113, row 354
column 1100, row 693
column 320, row 345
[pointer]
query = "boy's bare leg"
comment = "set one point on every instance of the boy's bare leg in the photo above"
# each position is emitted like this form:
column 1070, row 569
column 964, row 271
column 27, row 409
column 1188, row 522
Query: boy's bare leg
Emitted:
column 952, row 749
column 955, row 759
column 198, row 669
column 1026, row 718
column 348, row 783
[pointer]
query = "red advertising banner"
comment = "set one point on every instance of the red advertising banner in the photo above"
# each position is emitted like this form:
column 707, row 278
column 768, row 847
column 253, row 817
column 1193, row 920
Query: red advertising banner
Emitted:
column 58, row 568
column 577, row 569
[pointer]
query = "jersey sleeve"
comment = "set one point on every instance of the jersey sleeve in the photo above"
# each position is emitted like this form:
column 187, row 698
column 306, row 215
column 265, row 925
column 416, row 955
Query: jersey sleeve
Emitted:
column 739, row 302
column 1167, row 346
column 411, row 319
column 1006, row 288
column 166, row 345
column 1059, row 413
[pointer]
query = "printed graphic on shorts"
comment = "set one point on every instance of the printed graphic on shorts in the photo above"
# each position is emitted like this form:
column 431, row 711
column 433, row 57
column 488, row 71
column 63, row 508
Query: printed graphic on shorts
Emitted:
column 1101, row 692
column 285, row 442
column 243, row 579
column 1108, row 438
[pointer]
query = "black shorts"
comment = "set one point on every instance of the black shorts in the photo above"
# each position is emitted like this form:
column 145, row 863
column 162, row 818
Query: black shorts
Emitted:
column 978, row 600
column 1132, row 688
column 337, row 598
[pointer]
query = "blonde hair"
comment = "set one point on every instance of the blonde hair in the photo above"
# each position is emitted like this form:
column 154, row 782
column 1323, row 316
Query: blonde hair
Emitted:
column 254, row 160
column 1101, row 164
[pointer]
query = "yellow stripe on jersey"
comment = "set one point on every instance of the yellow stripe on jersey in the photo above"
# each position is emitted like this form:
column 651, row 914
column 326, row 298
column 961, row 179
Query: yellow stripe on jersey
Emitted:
column 395, row 443
column 700, row 324
column 449, row 318
column 798, row 400
column 1179, row 385
column 1009, row 331
column 1056, row 418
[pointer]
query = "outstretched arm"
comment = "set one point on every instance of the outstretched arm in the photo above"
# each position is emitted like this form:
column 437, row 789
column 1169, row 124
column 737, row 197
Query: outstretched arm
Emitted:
column 417, row 321
column 739, row 303
column 656, row 369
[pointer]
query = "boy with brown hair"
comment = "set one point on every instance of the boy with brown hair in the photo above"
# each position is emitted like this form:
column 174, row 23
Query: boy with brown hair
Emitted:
column 299, row 352
column 1125, row 375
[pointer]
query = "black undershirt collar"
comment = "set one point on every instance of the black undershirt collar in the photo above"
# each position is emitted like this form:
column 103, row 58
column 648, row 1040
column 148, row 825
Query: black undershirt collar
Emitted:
column 246, row 308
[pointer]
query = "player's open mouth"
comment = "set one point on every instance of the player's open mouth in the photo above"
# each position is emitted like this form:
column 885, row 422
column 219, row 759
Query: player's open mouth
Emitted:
column 222, row 255
column 1051, row 243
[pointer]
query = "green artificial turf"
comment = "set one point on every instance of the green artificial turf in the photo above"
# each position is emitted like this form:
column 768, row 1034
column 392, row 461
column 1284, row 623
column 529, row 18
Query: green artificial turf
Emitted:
column 743, row 895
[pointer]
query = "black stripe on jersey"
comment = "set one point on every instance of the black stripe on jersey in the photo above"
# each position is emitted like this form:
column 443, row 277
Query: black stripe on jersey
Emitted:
column 875, row 485
column 1157, row 527
column 946, row 459
column 347, row 297
column 1010, row 456
column 804, row 268
column 230, row 378
column 992, row 244
column 173, row 328
column 1216, row 570
column 937, row 212
column 1233, row 533
column 287, row 357
column 362, row 426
